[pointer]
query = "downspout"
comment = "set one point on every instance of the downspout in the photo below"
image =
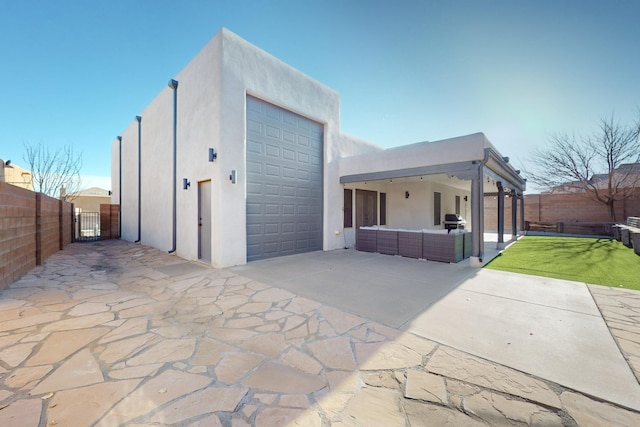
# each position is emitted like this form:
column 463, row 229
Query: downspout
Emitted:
column 139, row 119
column 173, row 84
column 120, row 187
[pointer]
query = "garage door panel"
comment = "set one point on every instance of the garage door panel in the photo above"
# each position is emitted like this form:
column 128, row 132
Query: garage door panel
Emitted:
column 254, row 167
column 289, row 173
column 284, row 182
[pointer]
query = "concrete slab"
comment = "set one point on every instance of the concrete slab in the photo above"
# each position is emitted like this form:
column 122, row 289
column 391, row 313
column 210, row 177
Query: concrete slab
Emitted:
column 546, row 327
column 390, row 290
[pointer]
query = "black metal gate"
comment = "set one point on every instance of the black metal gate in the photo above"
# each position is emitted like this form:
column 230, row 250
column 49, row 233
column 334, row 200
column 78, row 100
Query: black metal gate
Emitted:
column 87, row 226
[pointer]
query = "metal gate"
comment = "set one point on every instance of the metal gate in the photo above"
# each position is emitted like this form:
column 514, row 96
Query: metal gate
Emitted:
column 87, row 226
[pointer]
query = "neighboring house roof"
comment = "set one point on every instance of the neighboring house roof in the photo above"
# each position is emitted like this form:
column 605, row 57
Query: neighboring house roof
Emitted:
column 627, row 175
column 91, row 192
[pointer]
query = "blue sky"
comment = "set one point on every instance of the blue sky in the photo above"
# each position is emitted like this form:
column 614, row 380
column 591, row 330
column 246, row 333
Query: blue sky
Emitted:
column 77, row 72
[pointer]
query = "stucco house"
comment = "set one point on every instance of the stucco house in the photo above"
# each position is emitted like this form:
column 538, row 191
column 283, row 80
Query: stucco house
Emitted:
column 16, row 175
column 241, row 157
column 87, row 200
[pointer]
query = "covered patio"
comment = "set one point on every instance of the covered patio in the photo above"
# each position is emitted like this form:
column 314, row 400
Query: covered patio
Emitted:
column 413, row 187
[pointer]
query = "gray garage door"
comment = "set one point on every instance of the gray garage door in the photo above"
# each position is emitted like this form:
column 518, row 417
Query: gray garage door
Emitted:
column 284, row 182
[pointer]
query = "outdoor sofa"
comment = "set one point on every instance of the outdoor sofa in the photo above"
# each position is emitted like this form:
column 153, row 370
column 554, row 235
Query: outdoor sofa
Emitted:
column 629, row 233
column 434, row 245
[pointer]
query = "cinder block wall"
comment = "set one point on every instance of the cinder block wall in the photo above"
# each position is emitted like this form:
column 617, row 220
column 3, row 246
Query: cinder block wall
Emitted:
column 33, row 227
column 491, row 214
column 109, row 217
column 47, row 227
column 553, row 208
column 67, row 224
column 18, row 232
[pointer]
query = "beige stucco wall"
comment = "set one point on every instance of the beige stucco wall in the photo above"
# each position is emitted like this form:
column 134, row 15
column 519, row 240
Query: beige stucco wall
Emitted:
column 20, row 177
column 90, row 203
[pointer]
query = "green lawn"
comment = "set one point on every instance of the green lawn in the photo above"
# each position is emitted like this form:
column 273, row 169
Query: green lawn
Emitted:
column 599, row 261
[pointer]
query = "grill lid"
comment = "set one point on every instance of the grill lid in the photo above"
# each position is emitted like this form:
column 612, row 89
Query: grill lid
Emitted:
column 453, row 218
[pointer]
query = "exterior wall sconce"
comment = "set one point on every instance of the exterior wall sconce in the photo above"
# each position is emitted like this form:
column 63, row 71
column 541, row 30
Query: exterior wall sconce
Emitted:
column 212, row 155
column 185, row 184
column 406, row 194
column 466, row 198
column 233, row 177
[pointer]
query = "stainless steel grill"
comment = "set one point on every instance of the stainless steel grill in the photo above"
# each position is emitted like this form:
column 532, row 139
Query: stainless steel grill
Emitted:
column 453, row 222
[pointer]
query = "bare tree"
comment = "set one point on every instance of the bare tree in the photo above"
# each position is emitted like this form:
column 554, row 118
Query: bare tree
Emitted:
column 604, row 165
column 53, row 170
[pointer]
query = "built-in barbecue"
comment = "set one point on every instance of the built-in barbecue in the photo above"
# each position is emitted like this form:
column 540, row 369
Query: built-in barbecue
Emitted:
column 453, row 222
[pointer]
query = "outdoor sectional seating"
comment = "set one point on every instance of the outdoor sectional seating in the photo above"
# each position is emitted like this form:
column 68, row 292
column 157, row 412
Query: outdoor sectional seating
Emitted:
column 434, row 245
column 629, row 233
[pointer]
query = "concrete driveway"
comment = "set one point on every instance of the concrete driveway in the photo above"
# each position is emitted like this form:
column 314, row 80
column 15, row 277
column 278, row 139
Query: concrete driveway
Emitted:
column 115, row 334
column 549, row 328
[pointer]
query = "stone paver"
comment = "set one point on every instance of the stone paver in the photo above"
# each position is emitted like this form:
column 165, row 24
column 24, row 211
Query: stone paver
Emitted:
column 116, row 334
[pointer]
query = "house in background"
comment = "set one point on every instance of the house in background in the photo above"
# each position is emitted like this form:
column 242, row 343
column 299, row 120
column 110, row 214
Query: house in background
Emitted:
column 625, row 176
column 15, row 175
column 242, row 158
column 88, row 200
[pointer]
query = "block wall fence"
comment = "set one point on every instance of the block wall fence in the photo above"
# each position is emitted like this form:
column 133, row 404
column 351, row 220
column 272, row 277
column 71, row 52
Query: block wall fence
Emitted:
column 555, row 208
column 109, row 222
column 34, row 226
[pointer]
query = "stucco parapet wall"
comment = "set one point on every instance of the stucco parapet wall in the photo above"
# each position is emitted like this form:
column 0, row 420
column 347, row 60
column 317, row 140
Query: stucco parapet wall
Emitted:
column 453, row 150
column 266, row 75
column 455, row 156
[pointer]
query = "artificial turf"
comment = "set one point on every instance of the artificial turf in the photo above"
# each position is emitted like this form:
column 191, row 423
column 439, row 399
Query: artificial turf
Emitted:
column 582, row 259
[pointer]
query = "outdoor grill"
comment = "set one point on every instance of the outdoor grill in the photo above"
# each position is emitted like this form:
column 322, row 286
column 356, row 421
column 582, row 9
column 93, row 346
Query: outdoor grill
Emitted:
column 453, row 222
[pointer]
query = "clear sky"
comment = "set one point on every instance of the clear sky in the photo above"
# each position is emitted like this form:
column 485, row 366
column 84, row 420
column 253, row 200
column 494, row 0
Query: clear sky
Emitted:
column 78, row 72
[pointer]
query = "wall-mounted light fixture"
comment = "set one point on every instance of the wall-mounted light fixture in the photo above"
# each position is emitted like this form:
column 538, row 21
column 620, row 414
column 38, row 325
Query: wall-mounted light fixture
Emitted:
column 406, row 194
column 466, row 198
column 233, row 177
column 185, row 183
column 212, row 155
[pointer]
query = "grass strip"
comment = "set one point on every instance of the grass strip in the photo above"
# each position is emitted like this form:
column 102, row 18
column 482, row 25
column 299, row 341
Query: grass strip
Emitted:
column 590, row 260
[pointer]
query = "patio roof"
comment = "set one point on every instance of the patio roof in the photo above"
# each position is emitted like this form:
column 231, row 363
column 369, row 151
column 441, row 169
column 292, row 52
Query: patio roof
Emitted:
column 471, row 157
column 457, row 157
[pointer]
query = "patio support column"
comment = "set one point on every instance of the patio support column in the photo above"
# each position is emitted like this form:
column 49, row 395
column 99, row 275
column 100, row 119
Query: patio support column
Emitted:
column 522, row 213
column 500, row 215
column 514, row 213
column 477, row 217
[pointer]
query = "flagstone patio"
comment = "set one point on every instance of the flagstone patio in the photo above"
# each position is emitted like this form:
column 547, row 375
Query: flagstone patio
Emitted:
column 115, row 334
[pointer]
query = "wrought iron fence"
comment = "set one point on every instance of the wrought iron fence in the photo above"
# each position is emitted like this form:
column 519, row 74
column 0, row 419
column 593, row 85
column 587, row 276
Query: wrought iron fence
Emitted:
column 87, row 226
